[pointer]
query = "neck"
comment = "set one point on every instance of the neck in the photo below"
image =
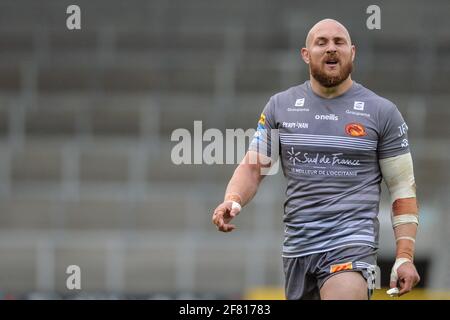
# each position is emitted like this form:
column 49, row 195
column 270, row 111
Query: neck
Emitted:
column 330, row 92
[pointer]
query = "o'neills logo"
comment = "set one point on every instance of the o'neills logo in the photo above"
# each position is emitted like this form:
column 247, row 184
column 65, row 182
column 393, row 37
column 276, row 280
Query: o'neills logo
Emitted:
column 355, row 130
column 331, row 116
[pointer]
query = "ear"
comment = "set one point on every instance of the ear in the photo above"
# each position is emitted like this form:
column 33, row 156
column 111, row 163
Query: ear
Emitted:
column 305, row 55
column 353, row 52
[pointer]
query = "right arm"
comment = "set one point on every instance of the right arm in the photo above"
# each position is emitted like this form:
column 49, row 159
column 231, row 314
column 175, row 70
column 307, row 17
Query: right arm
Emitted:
column 248, row 175
column 240, row 190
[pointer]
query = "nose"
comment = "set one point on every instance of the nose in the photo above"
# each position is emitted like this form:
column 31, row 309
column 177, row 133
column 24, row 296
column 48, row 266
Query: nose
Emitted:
column 331, row 47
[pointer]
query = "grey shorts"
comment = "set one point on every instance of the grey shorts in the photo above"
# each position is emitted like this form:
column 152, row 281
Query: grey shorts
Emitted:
column 304, row 276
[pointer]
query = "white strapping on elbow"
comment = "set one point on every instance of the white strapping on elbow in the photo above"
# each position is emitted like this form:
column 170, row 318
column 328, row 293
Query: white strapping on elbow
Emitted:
column 398, row 174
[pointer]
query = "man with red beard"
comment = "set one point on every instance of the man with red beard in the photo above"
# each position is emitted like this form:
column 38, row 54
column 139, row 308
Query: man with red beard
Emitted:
column 337, row 141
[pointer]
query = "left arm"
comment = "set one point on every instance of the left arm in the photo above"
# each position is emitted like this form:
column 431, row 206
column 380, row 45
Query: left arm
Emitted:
column 398, row 174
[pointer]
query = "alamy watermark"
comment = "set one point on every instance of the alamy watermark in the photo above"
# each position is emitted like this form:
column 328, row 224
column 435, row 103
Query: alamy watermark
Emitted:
column 226, row 148
column 74, row 279
column 374, row 20
column 73, row 22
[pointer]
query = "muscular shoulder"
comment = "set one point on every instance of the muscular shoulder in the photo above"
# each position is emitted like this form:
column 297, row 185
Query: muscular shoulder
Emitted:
column 293, row 97
column 290, row 94
column 380, row 104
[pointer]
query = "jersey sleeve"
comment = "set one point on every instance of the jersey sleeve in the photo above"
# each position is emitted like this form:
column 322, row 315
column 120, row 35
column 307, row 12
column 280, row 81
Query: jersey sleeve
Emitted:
column 262, row 141
column 394, row 134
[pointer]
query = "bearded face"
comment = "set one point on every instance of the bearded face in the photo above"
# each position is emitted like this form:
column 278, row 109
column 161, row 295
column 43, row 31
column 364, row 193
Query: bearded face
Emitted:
column 331, row 68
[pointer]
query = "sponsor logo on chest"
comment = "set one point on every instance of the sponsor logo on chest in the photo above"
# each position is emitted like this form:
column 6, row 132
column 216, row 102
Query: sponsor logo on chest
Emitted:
column 358, row 105
column 298, row 106
column 295, row 125
column 330, row 117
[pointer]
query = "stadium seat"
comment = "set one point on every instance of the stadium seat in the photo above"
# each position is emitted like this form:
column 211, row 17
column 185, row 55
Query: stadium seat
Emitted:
column 150, row 269
column 49, row 121
column 37, row 162
column 95, row 214
column 17, row 269
column 101, row 163
column 29, row 214
column 220, row 269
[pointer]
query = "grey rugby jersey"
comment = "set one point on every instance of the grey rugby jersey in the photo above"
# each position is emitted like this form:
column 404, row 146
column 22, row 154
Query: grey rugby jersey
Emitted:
column 329, row 150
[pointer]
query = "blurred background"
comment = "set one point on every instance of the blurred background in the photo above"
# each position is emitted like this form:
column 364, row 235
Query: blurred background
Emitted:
column 86, row 117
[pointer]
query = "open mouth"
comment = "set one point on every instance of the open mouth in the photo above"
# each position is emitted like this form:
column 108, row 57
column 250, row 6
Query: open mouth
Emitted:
column 331, row 62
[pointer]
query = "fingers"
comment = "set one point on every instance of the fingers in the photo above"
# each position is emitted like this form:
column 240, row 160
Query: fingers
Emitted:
column 217, row 217
column 393, row 284
column 226, row 227
column 222, row 215
column 404, row 278
column 416, row 280
column 408, row 278
column 406, row 285
column 393, row 280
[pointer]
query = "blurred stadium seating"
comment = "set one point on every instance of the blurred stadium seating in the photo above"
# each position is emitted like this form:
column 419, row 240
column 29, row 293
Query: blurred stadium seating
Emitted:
column 86, row 118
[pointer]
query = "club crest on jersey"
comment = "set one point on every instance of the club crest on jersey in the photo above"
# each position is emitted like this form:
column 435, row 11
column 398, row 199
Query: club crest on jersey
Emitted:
column 355, row 129
column 262, row 119
column 358, row 105
column 300, row 102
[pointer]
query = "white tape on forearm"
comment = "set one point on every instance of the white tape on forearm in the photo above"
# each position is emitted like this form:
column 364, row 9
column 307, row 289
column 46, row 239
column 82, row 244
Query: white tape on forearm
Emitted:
column 397, row 264
column 398, row 174
column 404, row 219
column 406, row 238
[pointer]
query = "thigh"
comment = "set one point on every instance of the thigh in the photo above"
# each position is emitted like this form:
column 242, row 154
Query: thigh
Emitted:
column 348, row 273
column 345, row 285
column 300, row 284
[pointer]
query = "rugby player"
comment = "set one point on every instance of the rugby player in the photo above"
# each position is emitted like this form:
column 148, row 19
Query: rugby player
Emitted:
column 337, row 141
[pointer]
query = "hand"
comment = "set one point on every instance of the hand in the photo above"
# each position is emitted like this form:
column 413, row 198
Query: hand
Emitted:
column 407, row 278
column 223, row 215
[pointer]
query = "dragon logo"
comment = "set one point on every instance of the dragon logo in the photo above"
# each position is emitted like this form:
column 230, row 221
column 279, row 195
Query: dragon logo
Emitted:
column 355, row 130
